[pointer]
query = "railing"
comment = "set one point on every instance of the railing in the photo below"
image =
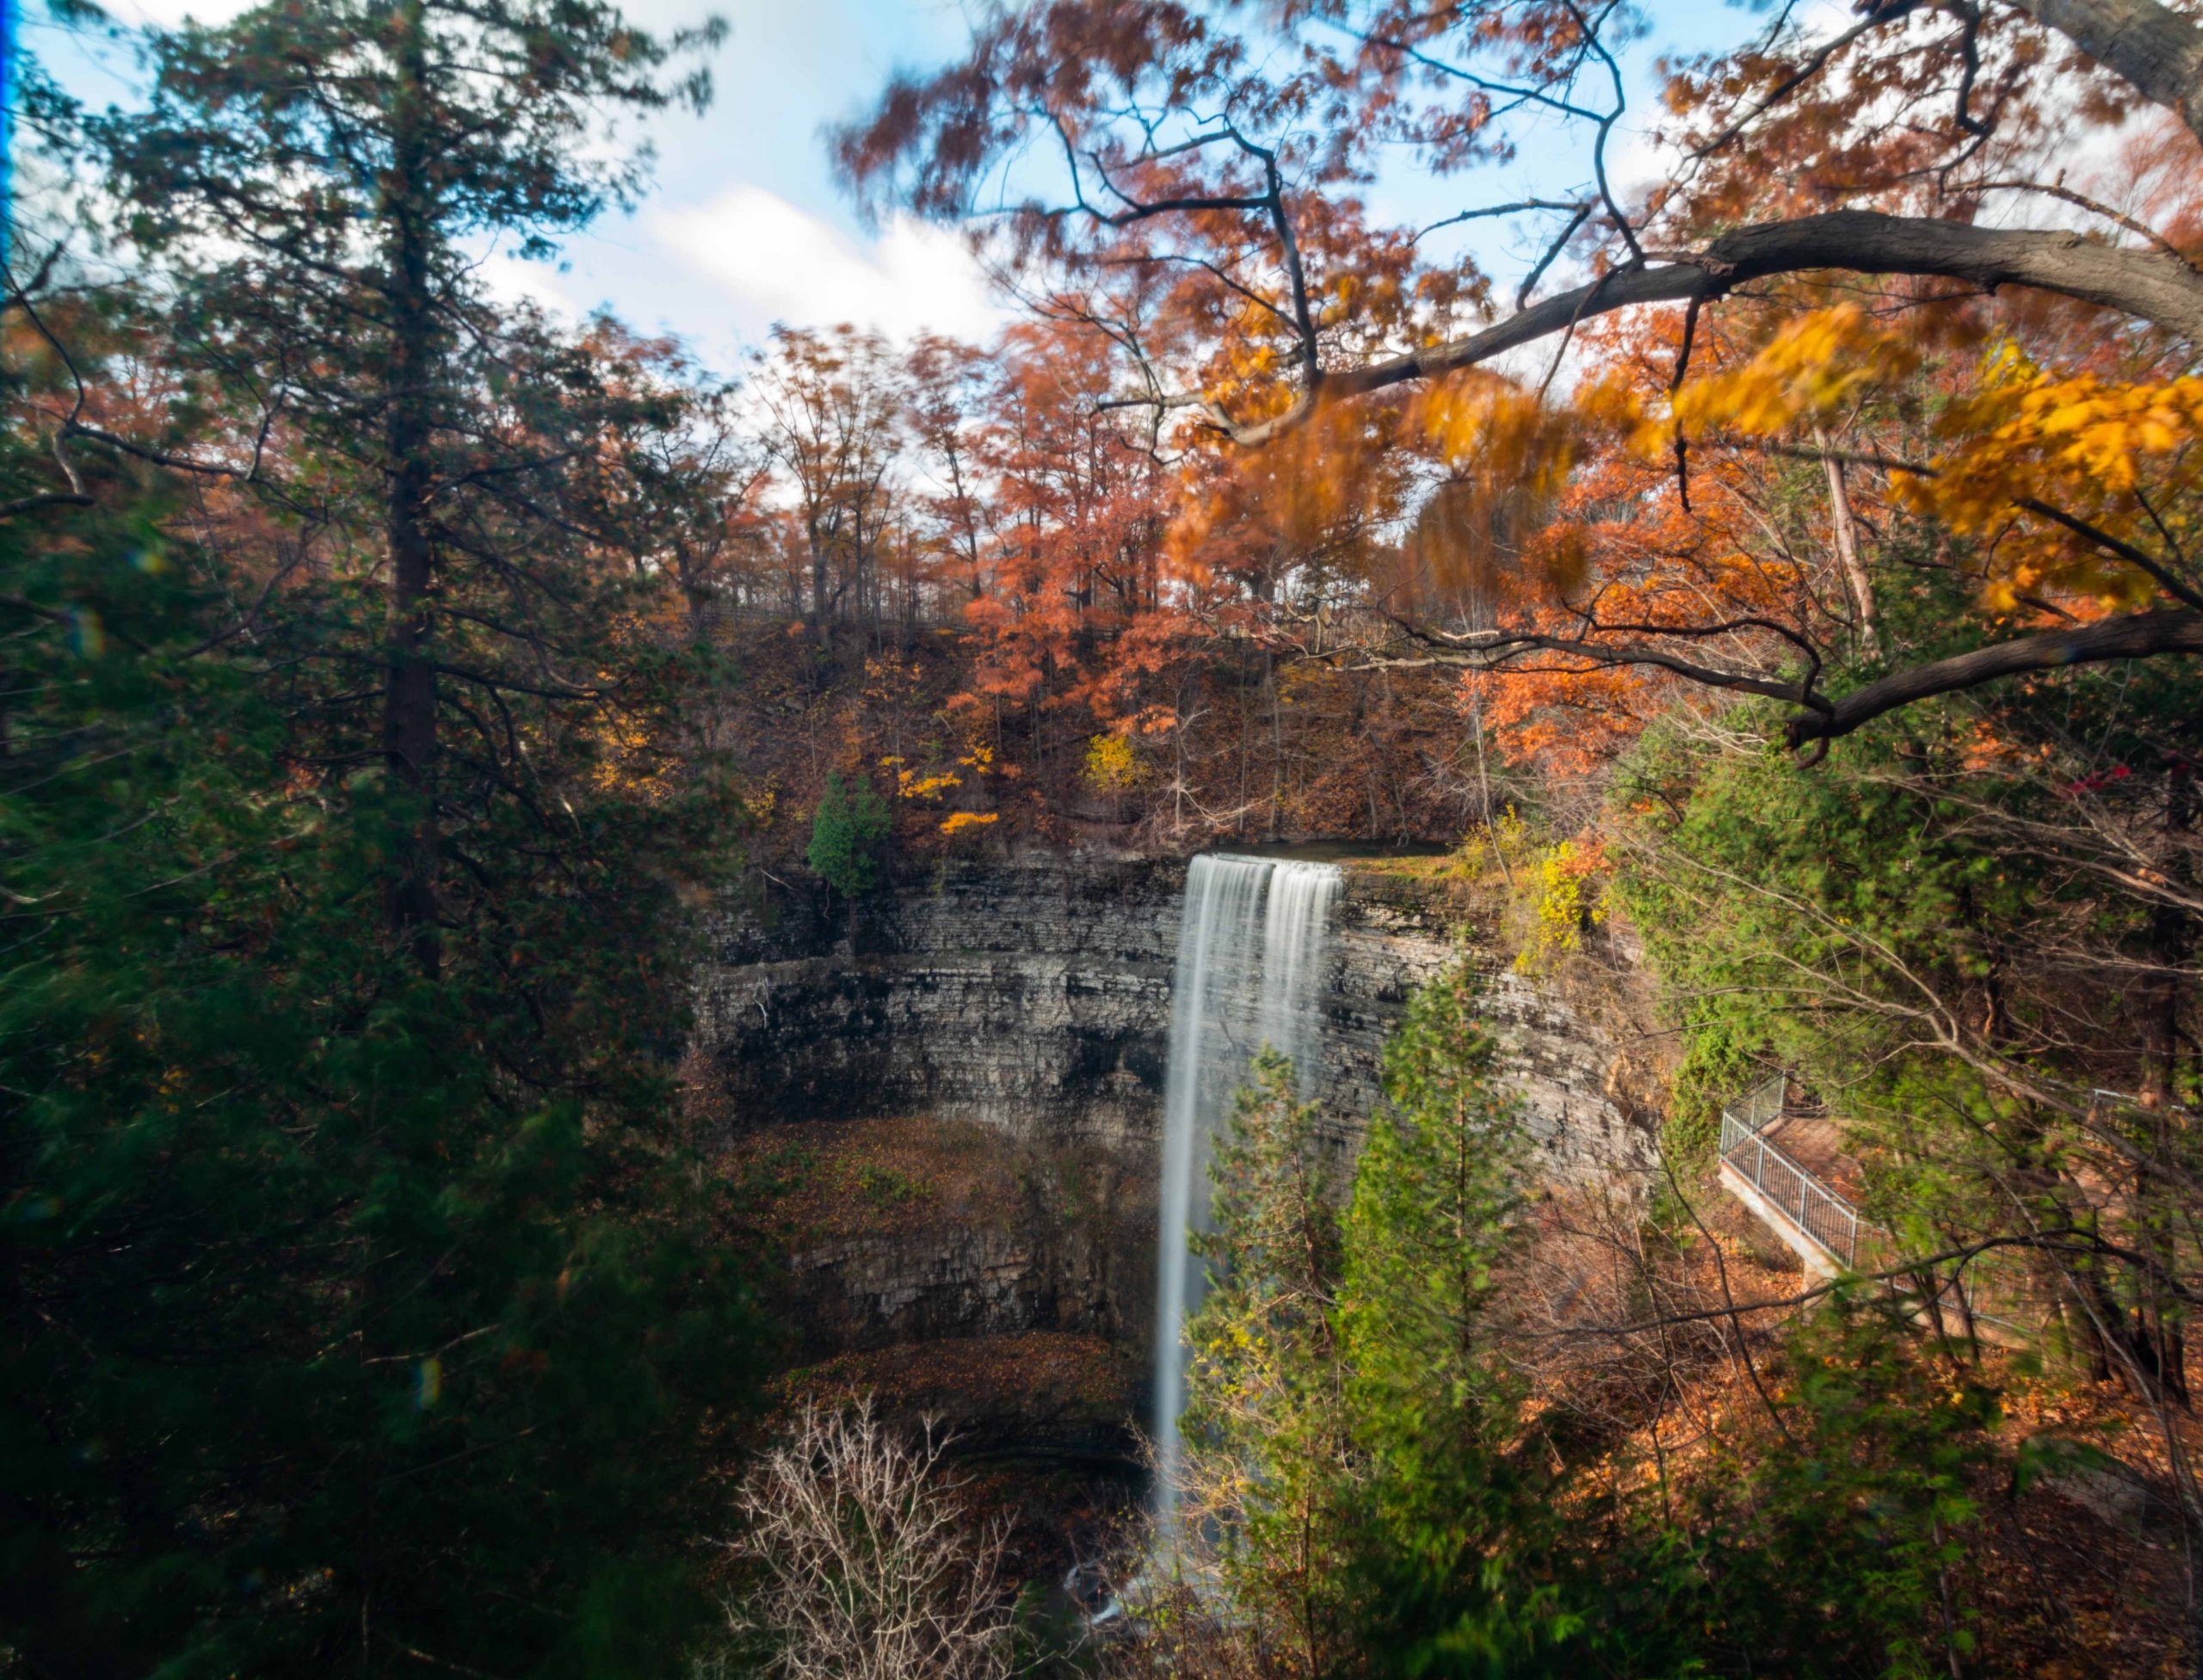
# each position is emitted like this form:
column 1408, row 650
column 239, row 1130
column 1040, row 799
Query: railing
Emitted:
column 1832, row 1223
column 1762, row 1106
column 1993, row 1293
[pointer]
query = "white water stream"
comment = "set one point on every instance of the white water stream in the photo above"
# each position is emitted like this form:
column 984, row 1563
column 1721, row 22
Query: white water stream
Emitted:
column 1251, row 956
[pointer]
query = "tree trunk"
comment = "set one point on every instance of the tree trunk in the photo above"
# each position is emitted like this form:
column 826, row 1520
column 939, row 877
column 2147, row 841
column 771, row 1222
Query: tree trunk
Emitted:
column 1275, row 828
column 2155, row 48
column 409, row 696
column 1847, row 548
column 818, row 627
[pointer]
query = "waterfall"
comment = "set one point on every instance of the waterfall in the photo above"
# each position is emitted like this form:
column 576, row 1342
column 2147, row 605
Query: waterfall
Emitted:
column 1251, row 954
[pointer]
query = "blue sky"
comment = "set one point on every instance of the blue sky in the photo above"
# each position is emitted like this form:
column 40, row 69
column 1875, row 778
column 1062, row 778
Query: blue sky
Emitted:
column 747, row 228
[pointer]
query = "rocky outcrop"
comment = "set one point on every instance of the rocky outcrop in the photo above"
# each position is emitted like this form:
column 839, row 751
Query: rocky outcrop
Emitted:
column 1033, row 994
column 943, row 1114
column 918, row 1228
column 1565, row 1040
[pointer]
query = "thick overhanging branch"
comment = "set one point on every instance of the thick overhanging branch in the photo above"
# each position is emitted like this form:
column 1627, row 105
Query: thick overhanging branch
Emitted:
column 2125, row 636
column 1488, row 650
column 2152, row 48
column 2151, row 286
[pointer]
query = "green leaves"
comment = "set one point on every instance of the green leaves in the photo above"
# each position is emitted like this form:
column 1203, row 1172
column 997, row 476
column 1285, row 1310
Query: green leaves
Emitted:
column 1456, row 1508
column 1350, row 1415
column 345, row 1314
column 1395, row 1495
column 847, row 832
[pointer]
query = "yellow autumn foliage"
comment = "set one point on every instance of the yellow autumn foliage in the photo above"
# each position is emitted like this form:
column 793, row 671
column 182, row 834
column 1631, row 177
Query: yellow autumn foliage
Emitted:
column 920, row 785
column 1565, row 901
column 1815, row 369
column 1507, row 454
column 2116, row 456
column 1111, row 766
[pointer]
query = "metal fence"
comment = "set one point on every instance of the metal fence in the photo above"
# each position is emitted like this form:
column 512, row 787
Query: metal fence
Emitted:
column 1762, row 1106
column 1987, row 1290
column 1831, row 1222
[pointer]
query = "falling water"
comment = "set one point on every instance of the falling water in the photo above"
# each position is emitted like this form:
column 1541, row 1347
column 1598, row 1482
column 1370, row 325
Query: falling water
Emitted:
column 1250, row 958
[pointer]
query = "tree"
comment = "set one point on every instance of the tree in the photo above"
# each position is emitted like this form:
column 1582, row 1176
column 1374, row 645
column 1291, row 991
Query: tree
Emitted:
column 1075, row 616
column 350, row 1320
column 1195, row 148
column 365, row 1315
column 948, row 382
column 847, row 831
column 834, row 403
column 1391, row 1472
column 1457, row 1559
column 1936, row 933
column 677, row 482
column 1351, row 1419
column 315, row 177
column 1265, row 1423
column 868, row 1567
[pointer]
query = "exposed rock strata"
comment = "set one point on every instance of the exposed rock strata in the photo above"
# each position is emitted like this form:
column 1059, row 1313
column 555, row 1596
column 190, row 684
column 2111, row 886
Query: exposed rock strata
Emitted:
column 917, row 1228
column 1033, row 994
column 1561, row 1045
column 1013, row 1014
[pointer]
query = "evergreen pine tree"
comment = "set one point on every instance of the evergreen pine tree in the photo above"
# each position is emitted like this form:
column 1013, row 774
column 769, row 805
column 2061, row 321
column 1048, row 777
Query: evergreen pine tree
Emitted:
column 1455, row 1500
column 357, row 1309
column 847, row 831
column 317, row 179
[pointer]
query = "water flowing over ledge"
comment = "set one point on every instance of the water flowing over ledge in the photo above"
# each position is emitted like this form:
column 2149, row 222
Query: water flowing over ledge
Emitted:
column 1030, row 994
column 1253, row 947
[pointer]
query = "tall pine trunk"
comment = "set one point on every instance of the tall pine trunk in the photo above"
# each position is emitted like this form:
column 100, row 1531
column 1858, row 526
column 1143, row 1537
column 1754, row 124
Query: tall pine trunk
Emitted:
column 409, row 694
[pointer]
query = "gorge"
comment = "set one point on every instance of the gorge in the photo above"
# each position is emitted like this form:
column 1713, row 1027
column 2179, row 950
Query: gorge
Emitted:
column 992, row 1039
column 644, row 837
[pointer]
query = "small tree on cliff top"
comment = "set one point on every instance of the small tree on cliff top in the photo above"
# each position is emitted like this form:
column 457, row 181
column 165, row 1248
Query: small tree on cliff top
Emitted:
column 847, row 832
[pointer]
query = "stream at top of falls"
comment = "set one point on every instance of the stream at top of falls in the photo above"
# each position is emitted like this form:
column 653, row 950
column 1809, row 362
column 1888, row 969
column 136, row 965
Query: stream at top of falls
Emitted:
column 1253, row 948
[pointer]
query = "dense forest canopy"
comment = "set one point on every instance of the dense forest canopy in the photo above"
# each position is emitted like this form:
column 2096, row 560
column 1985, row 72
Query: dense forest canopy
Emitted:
column 1786, row 576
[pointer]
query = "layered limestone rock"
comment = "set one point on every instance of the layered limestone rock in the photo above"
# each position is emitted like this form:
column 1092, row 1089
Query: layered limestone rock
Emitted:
column 1568, row 1041
column 967, row 1078
column 918, row 1228
column 1032, row 994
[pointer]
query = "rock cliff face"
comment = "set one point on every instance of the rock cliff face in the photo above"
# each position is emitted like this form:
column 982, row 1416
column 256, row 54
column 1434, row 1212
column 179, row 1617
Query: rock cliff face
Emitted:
column 917, row 1228
column 1033, row 995
column 1561, row 1043
column 955, row 1096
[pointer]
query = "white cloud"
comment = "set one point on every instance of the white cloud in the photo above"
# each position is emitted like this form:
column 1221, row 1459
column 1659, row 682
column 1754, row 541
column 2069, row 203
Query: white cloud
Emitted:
column 508, row 279
column 167, row 14
column 776, row 262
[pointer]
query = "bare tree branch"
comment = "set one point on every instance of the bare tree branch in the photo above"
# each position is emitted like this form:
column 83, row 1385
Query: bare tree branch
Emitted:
column 2124, row 636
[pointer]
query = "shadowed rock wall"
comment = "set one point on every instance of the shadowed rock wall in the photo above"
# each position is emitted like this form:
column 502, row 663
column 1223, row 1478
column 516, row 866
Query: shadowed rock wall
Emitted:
column 1033, row 994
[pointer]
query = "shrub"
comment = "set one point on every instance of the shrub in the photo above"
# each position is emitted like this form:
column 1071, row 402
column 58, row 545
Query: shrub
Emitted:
column 865, row 1567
